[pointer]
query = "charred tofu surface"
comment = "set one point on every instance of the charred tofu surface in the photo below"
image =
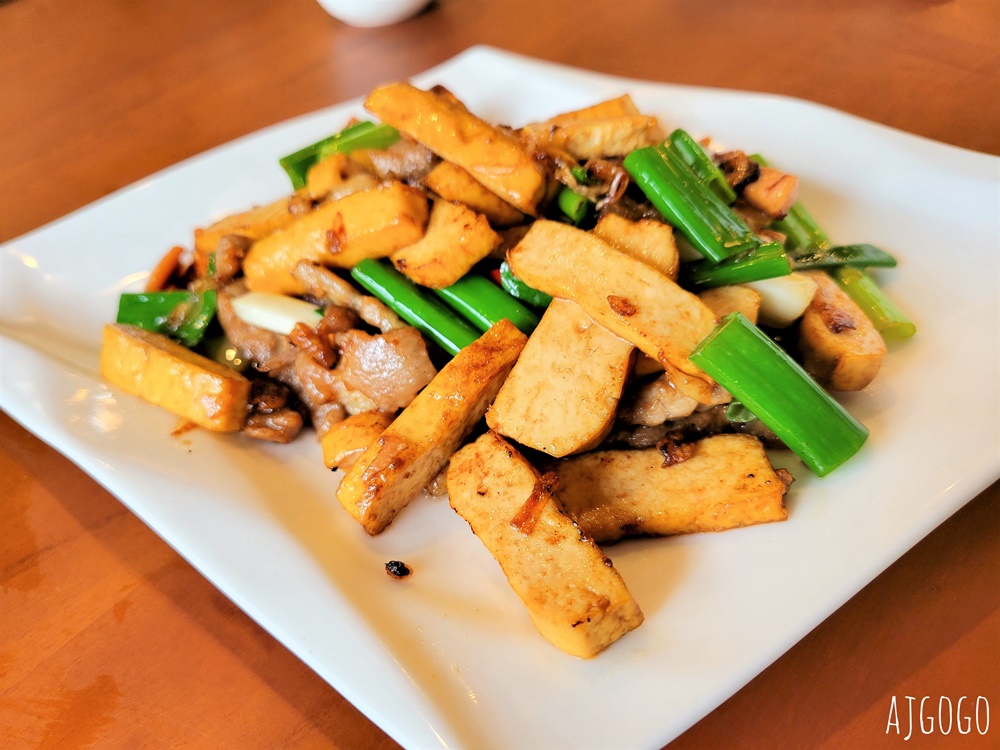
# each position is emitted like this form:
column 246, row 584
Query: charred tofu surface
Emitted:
column 574, row 595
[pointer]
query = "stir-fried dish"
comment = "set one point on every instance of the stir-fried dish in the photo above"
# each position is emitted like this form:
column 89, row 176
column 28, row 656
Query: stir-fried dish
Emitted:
column 584, row 329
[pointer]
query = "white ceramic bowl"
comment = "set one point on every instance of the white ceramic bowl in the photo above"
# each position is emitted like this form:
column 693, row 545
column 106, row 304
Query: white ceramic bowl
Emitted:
column 371, row 13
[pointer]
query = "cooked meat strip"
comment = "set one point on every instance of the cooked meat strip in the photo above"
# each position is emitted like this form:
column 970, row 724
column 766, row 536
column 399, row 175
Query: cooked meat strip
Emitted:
column 268, row 351
column 353, row 184
column 754, row 218
column 281, row 426
column 631, row 206
column 390, row 368
column 405, row 160
column 653, row 402
column 267, row 395
column 326, row 286
column 767, row 189
column 326, row 416
column 702, row 423
column 335, row 320
column 613, row 182
column 229, row 254
column 740, row 170
column 314, row 343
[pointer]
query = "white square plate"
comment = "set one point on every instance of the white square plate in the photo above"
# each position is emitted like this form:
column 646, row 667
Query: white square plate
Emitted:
column 448, row 657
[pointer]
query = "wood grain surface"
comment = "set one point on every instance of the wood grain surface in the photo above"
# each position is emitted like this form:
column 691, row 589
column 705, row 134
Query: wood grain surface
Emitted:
column 109, row 640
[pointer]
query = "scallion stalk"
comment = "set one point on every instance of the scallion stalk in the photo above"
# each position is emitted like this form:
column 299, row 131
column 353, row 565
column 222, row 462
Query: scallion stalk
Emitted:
column 869, row 296
column 801, row 230
column 677, row 193
column 416, row 306
column 837, row 256
column 182, row 315
column 695, row 157
column 780, row 393
column 483, row 303
column 521, row 291
column 805, row 236
column 573, row 205
column 361, row 135
column 766, row 262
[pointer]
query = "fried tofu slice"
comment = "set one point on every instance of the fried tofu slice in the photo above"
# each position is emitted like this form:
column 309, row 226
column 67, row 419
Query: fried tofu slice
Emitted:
column 456, row 239
column 650, row 241
column 840, row 346
column 494, row 158
column 163, row 372
column 613, row 136
column 726, row 483
column 455, row 184
column 367, row 224
column 562, row 395
column 621, row 106
column 723, row 300
column 337, row 175
column 575, row 597
column 347, row 440
column 610, row 128
column 254, row 224
column 622, row 293
column 417, row 445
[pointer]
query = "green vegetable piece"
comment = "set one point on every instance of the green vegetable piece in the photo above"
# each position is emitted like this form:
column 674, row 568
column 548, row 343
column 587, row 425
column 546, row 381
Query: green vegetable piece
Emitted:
column 521, row 291
column 888, row 319
column 766, row 262
column 182, row 315
column 573, row 205
column 801, row 230
column 837, row 256
column 782, row 395
column 362, row 135
column 701, row 216
column 695, row 157
column 805, row 236
column 738, row 413
column 484, row 304
column 415, row 305
column 580, row 174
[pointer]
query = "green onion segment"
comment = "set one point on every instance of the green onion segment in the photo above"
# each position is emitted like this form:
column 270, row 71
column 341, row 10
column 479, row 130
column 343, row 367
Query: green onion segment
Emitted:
column 888, row 319
column 361, row 135
column 415, row 305
column 766, row 262
column 837, row 256
column 521, row 291
column 182, row 315
column 801, row 230
column 677, row 193
column 811, row 244
column 484, row 304
column 695, row 157
column 780, row 393
column 573, row 205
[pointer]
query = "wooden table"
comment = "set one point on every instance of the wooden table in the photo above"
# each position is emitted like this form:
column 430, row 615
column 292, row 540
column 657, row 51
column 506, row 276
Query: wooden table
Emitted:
column 108, row 639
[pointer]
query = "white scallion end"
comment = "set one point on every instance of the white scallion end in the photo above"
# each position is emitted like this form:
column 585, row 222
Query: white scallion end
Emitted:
column 275, row 312
column 783, row 299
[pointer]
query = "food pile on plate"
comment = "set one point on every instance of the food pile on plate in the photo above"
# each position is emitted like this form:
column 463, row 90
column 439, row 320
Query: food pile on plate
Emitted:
column 584, row 329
